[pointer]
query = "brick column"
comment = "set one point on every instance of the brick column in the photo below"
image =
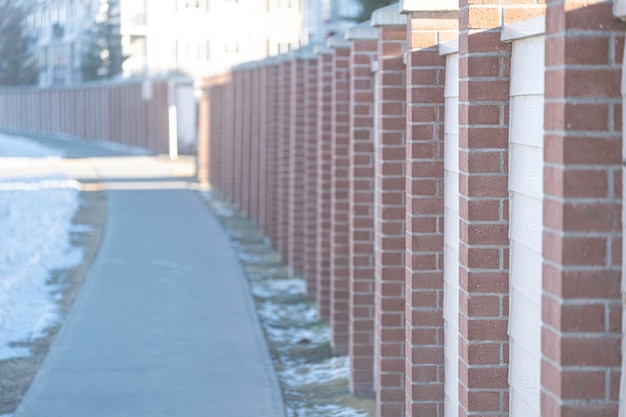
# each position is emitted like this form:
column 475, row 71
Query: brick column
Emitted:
column 283, row 152
column 257, row 150
column 390, row 211
column 204, row 158
column 339, row 238
column 296, row 166
column 581, row 334
column 261, row 109
column 428, row 25
column 272, row 103
column 263, row 124
column 214, row 139
column 324, row 162
column 484, row 66
column 364, row 46
column 311, row 217
column 229, row 134
column 238, row 138
column 246, row 139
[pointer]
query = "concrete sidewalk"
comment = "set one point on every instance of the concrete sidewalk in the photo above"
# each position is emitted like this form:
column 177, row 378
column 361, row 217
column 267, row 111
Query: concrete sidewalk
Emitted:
column 164, row 324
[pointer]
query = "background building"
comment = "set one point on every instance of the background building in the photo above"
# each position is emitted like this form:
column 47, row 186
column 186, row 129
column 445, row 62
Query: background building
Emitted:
column 199, row 38
column 61, row 28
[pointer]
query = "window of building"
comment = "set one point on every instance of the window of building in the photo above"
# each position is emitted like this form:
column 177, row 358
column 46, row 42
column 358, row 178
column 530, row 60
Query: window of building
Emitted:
column 281, row 4
column 284, row 47
column 231, row 48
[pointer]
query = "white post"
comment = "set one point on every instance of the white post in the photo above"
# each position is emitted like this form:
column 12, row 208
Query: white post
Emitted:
column 173, row 122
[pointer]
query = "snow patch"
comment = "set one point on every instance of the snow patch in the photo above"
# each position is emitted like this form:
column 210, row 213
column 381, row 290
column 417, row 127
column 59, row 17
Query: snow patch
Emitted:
column 15, row 146
column 35, row 227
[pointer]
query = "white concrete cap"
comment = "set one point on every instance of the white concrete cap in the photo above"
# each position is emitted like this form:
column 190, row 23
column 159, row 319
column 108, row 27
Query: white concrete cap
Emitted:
column 322, row 50
column 305, row 52
column 449, row 48
column 619, row 9
column 524, row 29
column 388, row 16
column 362, row 31
column 337, row 41
column 408, row 6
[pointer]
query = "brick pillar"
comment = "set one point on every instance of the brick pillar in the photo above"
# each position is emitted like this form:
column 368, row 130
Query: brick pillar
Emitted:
column 581, row 334
column 296, row 166
column 484, row 66
column 311, row 217
column 229, row 132
column 364, row 45
column 263, row 124
column 205, row 131
column 246, row 139
column 216, row 140
column 283, row 148
column 255, row 146
column 324, row 162
column 390, row 211
column 272, row 103
column 425, row 76
column 238, row 139
column 339, row 238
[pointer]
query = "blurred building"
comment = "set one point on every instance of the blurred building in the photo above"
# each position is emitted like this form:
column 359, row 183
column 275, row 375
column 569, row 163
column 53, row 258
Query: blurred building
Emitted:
column 60, row 27
column 196, row 37
column 326, row 17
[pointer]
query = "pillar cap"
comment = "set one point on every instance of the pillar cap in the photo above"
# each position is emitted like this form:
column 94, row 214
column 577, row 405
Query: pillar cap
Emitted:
column 388, row 16
column 337, row 41
column 305, row 52
column 524, row 29
column 449, row 48
column 408, row 6
column 619, row 9
column 322, row 50
column 362, row 31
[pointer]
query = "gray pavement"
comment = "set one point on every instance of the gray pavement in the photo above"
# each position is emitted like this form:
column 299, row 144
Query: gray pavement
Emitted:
column 164, row 324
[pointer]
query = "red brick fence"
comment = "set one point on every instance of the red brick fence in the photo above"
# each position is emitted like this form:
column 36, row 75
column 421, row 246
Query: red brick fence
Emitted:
column 449, row 183
column 123, row 112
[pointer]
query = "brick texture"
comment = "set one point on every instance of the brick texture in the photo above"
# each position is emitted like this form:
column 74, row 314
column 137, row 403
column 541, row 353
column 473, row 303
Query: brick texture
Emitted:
column 339, row 238
column 361, row 209
column 271, row 105
column 311, row 216
column 581, row 308
column 297, row 142
column 425, row 75
column 283, row 155
column 390, row 222
column 324, row 162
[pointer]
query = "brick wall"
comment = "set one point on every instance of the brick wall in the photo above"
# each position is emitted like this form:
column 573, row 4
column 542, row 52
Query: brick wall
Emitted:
column 425, row 71
column 271, row 104
column 390, row 119
column 356, row 195
column 283, row 155
column 324, row 162
column 311, row 206
column 295, row 209
column 339, row 238
column 582, row 205
column 363, row 51
column 114, row 112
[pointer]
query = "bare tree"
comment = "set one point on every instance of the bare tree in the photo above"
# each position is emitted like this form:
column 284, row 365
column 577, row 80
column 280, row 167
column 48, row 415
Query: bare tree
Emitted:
column 17, row 62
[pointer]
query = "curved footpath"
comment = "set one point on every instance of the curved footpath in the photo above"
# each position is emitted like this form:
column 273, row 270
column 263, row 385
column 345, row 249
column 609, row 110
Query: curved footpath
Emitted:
column 164, row 324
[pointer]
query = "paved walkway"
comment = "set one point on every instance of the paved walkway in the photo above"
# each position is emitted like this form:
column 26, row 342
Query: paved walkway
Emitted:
column 164, row 324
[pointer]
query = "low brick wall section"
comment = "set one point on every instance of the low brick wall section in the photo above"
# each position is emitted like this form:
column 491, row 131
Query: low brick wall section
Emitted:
column 453, row 202
column 113, row 112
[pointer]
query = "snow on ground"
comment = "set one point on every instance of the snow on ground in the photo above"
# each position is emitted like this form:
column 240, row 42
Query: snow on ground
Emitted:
column 35, row 226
